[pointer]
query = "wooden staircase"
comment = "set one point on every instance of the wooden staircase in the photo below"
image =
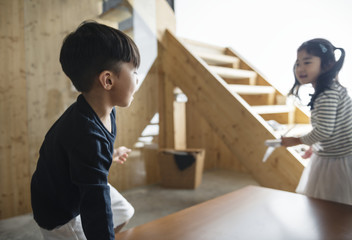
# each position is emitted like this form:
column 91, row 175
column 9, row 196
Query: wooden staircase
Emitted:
column 239, row 105
column 235, row 99
column 263, row 98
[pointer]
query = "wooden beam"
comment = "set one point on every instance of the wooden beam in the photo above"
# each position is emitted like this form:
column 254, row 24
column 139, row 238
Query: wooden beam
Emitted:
column 180, row 125
column 166, row 101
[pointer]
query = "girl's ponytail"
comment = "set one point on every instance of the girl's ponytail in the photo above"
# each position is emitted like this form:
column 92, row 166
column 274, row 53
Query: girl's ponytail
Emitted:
column 340, row 62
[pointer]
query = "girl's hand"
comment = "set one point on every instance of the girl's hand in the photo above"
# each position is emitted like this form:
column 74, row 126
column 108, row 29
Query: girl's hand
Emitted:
column 290, row 141
column 120, row 154
column 307, row 153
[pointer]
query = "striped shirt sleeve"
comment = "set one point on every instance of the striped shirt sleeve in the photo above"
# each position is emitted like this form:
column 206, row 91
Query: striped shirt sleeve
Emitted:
column 323, row 118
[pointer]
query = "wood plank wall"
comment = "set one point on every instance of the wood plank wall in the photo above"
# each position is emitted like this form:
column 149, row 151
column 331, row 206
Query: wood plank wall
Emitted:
column 34, row 92
column 14, row 162
column 201, row 135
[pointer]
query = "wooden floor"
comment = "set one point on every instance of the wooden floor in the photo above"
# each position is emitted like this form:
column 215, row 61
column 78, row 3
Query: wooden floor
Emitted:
column 150, row 202
column 153, row 202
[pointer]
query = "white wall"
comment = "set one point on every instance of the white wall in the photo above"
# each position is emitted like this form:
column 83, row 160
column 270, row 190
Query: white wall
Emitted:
column 267, row 33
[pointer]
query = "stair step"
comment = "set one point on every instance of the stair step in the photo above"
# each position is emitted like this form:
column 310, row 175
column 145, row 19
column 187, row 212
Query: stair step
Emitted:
column 272, row 109
column 294, row 129
column 218, row 59
column 145, row 139
column 203, row 47
column 283, row 114
column 232, row 73
column 251, row 89
column 150, row 130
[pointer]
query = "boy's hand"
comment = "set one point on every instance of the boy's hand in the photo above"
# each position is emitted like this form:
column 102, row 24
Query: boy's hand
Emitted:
column 120, row 154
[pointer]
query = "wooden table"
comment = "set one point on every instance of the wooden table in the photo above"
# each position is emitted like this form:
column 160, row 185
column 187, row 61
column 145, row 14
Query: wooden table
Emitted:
column 251, row 213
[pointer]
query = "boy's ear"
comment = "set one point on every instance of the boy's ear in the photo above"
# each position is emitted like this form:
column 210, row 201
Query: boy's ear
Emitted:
column 105, row 80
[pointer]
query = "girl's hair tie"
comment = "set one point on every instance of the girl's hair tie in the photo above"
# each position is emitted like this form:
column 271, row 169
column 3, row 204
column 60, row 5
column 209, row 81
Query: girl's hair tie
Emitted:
column 323, row 48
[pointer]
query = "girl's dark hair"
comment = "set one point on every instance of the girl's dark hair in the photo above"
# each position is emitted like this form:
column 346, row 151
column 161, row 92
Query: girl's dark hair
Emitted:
column 93, row 48
column 323, row 49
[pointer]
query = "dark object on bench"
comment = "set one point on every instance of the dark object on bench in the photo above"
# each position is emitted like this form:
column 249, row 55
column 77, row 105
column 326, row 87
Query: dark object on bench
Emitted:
column 181, row 168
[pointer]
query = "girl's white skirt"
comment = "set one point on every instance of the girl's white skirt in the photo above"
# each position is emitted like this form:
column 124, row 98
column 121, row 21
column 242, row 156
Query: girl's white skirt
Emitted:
column 328, row 178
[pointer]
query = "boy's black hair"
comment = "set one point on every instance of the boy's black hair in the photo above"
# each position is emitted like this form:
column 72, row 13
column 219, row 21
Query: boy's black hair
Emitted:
column 93, row 48
column 323, row 49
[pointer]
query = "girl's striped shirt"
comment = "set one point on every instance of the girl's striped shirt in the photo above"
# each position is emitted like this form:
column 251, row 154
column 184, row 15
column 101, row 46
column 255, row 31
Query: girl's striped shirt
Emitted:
column 331, row 120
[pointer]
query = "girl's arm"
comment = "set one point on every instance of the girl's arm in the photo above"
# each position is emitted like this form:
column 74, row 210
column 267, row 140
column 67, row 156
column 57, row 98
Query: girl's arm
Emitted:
column 290, row 141
column 324, row 121
column 324, row 114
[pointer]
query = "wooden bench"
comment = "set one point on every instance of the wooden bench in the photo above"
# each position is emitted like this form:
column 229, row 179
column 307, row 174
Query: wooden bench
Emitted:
column 251, row 213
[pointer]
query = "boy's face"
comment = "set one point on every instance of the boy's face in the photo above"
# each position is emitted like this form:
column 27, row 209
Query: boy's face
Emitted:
column 125, row 85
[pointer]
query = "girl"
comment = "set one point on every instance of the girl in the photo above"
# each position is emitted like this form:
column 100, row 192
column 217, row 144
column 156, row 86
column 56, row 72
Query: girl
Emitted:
column 328, row 174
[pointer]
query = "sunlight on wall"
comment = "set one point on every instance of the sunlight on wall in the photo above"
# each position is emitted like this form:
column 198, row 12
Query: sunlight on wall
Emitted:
column 144, row 30
column 268, row 33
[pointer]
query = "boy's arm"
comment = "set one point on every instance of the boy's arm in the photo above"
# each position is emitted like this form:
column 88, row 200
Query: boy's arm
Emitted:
column 89, row 166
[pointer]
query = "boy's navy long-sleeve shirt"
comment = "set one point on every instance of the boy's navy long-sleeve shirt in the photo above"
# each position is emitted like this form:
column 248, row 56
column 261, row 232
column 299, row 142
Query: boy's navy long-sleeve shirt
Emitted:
column 71, row 177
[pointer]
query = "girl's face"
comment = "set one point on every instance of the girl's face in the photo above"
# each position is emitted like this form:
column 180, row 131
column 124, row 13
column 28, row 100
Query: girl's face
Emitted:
column 307, row 68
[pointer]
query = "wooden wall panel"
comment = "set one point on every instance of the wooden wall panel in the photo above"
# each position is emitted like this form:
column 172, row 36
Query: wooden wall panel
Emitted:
column 201, row 135
column 34, row 92
column 50, row 92
column 33, row 89
column 14, row 164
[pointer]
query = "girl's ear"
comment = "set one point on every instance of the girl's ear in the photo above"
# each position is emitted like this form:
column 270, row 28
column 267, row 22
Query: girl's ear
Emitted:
column 105, row 79
column 327, row 67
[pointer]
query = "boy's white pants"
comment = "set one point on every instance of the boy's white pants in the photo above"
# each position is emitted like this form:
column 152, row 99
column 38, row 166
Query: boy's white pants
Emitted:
column 122, row 212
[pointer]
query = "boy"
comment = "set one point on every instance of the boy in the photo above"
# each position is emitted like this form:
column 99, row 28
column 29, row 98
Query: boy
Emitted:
column 71, row 197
